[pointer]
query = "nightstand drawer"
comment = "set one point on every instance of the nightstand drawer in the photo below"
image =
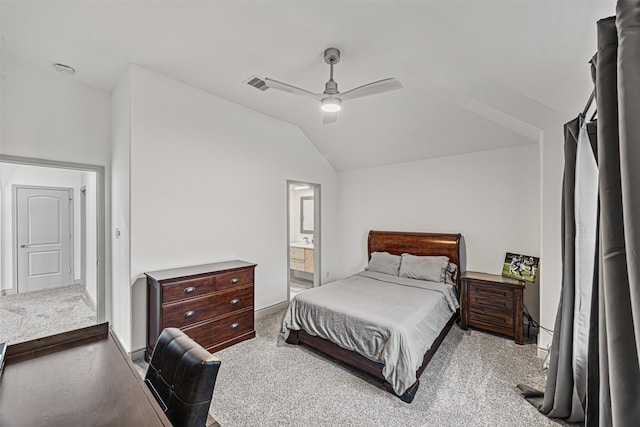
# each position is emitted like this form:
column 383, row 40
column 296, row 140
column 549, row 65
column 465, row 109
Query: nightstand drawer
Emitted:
column 497, row 322
column 492, row 292
column 483, row 302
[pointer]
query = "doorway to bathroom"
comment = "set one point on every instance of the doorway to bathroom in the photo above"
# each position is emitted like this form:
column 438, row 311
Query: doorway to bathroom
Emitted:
column 303, row 236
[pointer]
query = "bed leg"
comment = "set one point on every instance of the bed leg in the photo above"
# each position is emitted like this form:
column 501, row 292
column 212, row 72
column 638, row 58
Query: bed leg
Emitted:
column 293, row 338
column 408, row 395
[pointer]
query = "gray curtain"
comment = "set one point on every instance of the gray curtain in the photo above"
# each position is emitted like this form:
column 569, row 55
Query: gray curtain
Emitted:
column 614, row 388
column 566, row 388
column 612, row 395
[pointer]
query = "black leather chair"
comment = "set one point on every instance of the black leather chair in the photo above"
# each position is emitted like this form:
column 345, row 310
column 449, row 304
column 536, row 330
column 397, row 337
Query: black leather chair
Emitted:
column 182, row 376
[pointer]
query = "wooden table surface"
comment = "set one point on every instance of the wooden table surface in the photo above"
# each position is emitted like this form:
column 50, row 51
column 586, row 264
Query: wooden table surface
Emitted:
column 79, row 378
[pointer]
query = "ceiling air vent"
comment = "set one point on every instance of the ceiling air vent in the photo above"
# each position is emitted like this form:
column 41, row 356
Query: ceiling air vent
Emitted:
column 257, row 82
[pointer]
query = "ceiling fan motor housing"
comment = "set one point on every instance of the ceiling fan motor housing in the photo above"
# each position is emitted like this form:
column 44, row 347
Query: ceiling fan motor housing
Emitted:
column 332, row 55
column 331, row 88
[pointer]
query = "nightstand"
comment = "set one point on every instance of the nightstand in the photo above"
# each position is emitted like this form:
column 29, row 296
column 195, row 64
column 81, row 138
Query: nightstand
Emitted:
column 493, row 303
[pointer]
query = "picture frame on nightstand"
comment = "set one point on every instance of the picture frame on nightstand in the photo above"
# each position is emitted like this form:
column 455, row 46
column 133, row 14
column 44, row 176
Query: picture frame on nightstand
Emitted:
column 520, row 267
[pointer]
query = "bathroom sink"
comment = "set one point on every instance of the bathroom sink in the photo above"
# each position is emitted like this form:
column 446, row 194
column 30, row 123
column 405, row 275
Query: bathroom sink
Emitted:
column 302, row 245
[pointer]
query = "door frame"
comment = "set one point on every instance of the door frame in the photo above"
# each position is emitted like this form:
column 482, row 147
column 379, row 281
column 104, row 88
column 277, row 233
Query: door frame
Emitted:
column 103, row 298
column 317, row 222
column 83, row 237
column 14, row 228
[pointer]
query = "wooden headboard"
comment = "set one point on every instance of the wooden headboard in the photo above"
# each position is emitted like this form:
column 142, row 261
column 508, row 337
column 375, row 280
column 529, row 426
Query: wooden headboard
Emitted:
column 421, row 244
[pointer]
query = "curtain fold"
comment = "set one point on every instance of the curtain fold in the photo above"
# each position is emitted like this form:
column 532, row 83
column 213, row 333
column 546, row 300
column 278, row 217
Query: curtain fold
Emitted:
column 560, row 395
column 561, row 398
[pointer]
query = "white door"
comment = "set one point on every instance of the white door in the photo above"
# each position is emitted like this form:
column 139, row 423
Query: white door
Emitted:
column 43, row 238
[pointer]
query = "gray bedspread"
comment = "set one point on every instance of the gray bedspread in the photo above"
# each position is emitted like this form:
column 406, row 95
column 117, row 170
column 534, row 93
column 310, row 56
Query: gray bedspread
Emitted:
column 388, row 319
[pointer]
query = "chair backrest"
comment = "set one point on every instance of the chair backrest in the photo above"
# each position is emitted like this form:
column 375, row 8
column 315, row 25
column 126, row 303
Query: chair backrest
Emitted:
column 182, row 376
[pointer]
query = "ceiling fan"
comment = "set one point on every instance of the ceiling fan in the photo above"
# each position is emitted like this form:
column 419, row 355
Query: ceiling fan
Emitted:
column 331, row 99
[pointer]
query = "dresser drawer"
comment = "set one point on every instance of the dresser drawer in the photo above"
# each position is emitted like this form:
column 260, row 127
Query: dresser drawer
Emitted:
column 296, row 253
column 211, row 333
column 180, row 314
column 234, row 279
column 188, row 312
column 496, row 322
column 187, row 288
column 233, row 300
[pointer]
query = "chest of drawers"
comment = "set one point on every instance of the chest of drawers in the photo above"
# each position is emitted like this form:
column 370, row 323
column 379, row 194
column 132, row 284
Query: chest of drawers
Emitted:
column 211, row 303
column 493, row 303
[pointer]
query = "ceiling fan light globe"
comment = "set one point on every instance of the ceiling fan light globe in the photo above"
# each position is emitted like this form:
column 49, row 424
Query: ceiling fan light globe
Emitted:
column 331, row 105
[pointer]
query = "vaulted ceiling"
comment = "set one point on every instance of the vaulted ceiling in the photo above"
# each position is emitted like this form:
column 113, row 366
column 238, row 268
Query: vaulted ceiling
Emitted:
column 477, row 75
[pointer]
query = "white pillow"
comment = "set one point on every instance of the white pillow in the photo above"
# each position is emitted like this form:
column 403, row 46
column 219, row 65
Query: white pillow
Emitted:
column 384, row 262
column 431, row 268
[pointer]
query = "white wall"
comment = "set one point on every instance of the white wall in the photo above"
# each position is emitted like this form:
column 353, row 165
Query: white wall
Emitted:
column 552, row 170
column 491, row 197
column 209, row 183
column 119, row 233
column 49, row 116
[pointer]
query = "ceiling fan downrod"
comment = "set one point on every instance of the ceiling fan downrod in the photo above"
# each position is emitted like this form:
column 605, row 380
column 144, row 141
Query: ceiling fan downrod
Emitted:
column 331, row 57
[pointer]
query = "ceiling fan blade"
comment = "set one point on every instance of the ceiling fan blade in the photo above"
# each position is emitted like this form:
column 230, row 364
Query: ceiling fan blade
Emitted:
column 328, row 118
column 274, row 84
column 374, row 88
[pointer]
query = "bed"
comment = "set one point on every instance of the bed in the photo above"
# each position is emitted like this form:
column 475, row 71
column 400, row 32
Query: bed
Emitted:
column 387, row 326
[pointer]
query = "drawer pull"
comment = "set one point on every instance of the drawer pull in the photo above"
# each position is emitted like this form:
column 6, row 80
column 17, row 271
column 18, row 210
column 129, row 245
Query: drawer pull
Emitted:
column 189, row 314
column 234, row 301
column 235, row 325
column 234, row 281
column 189, row 290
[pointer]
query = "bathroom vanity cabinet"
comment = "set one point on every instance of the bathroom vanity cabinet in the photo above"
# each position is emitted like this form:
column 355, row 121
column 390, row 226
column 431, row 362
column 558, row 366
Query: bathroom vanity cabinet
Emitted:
column 301, row 259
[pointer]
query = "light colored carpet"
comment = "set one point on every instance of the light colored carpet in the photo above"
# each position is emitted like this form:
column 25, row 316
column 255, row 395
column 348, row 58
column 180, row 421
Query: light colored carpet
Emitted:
column 471, row 381
column 37, row 314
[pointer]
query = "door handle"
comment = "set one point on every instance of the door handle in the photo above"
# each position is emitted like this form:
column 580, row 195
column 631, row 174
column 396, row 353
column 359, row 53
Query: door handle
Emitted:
column 25, row 246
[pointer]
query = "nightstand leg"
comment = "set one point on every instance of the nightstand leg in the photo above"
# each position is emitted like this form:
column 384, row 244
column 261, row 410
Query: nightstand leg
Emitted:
column 518, row 327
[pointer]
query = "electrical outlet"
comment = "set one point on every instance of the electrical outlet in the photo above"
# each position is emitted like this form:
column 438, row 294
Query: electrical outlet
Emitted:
column 327, row 274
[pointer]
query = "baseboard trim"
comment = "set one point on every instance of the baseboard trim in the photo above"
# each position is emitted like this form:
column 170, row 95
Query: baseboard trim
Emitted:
column 271, row 309
column 542, row 353
column 137, row 354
